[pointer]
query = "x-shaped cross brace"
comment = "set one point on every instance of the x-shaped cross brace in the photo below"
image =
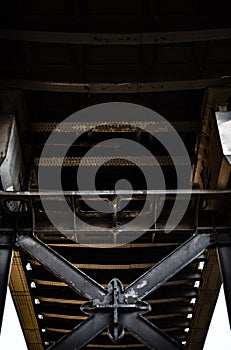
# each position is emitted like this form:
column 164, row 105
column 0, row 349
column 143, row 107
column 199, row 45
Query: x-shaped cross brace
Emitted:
column 116, row 308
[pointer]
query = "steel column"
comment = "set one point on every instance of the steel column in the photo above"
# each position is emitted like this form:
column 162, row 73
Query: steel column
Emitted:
column 224, row 252
column 5, row 261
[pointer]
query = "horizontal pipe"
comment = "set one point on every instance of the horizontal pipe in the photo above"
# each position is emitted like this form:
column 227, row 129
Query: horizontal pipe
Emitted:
column 27, row 194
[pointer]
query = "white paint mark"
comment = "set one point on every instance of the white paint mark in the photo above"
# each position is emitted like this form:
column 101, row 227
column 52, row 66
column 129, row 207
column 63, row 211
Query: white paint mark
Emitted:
column 142, row 285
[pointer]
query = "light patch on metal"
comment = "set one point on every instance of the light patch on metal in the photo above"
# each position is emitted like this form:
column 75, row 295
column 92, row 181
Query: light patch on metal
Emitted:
column 131, row 293
column 142, row 285
column 224, row 128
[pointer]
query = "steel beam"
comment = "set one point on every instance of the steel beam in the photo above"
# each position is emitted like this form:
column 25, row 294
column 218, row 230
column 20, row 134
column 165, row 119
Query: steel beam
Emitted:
column 5, row 261
column 114, row 88
column 83, row 333
column 168, row 267
column 156, row 38
column 149, row 334
column 154, row 126
column 92, row 161
column 114, row 307
column 63, row 269
column 26, row 195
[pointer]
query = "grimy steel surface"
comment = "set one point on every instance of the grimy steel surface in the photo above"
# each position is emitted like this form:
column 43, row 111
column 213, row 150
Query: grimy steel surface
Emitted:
column 114, row 301
column 116, row 307
column 74, row 54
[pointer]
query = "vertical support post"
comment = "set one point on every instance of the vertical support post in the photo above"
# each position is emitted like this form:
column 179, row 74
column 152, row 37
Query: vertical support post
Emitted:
column 224, row 252
column 5, row 261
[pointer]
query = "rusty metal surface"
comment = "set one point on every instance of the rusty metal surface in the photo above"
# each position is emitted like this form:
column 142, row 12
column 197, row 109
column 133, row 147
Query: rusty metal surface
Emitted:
column 114, row 88
column 116, row 39
column 153, row 126
column 224, row 128
column 172, row 46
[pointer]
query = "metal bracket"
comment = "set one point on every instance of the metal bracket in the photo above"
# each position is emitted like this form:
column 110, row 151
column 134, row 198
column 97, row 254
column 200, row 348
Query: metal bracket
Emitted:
column 116, row 303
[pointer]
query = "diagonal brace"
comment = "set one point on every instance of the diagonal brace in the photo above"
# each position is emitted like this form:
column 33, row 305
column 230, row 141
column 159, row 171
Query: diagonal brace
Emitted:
column 100, row 306
column 83, row 333
column 155, row 277
column 62, row 268
column 148, row 334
